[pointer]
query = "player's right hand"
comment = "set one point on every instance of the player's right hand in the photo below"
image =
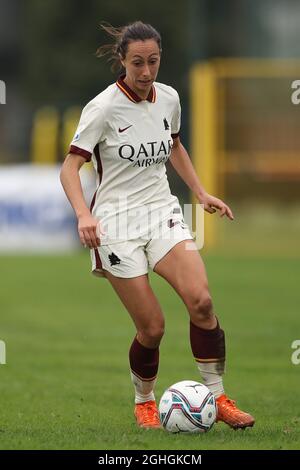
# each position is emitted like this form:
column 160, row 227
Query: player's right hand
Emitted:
column 87, row 229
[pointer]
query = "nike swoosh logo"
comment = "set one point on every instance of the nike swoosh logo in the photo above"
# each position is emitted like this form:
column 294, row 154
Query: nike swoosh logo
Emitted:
column 125, row 128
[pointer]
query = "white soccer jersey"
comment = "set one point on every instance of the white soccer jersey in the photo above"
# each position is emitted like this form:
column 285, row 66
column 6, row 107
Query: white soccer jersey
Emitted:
column 129, row 141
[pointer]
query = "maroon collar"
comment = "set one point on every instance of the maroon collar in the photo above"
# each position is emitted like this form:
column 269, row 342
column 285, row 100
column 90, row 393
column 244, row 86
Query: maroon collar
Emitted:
column 131, row 94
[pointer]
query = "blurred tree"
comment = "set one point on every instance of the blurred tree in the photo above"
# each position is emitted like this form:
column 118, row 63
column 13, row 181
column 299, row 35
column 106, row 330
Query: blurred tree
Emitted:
column 60, row 40
column 9, row 39
column 47, row 47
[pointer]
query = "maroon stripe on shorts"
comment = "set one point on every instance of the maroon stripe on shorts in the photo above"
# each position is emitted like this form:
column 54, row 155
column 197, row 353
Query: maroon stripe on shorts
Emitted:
column 98, row 259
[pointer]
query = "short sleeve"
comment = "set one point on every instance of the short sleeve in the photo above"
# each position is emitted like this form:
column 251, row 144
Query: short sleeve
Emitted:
column 176, row 119
column 89, row 131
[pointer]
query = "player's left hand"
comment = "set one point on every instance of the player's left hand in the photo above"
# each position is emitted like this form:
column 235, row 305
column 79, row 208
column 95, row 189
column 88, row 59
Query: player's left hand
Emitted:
column 212, row 204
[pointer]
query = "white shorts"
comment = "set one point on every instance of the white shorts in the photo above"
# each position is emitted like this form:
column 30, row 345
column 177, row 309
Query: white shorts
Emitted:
column 132, row 258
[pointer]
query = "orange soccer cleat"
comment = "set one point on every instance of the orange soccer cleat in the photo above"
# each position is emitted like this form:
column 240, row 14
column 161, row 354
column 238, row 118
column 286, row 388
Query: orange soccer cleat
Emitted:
column 147, row 414
column 231, row 415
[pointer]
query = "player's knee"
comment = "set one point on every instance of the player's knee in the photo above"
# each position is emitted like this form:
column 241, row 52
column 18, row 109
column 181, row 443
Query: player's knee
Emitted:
column 201, row 307
column 154, row 333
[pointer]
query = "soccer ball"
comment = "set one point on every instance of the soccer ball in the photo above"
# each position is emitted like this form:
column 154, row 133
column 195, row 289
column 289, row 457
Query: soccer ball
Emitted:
column 187, row 406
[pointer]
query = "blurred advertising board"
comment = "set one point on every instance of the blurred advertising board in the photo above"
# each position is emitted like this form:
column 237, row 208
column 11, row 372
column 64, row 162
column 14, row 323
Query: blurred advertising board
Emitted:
column 35, row 215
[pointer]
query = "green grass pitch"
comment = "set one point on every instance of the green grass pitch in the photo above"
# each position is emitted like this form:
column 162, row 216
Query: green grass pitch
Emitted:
column 66, row 383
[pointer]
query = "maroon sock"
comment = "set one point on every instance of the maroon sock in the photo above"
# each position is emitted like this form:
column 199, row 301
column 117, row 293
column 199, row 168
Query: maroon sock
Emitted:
column 207, row 345
column 143, row 361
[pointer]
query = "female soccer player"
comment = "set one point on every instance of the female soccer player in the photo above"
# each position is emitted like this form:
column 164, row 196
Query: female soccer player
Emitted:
column 129, row 131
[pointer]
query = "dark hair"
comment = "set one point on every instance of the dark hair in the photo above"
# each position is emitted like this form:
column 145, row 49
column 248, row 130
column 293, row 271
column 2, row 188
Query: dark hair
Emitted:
column 137, row 31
